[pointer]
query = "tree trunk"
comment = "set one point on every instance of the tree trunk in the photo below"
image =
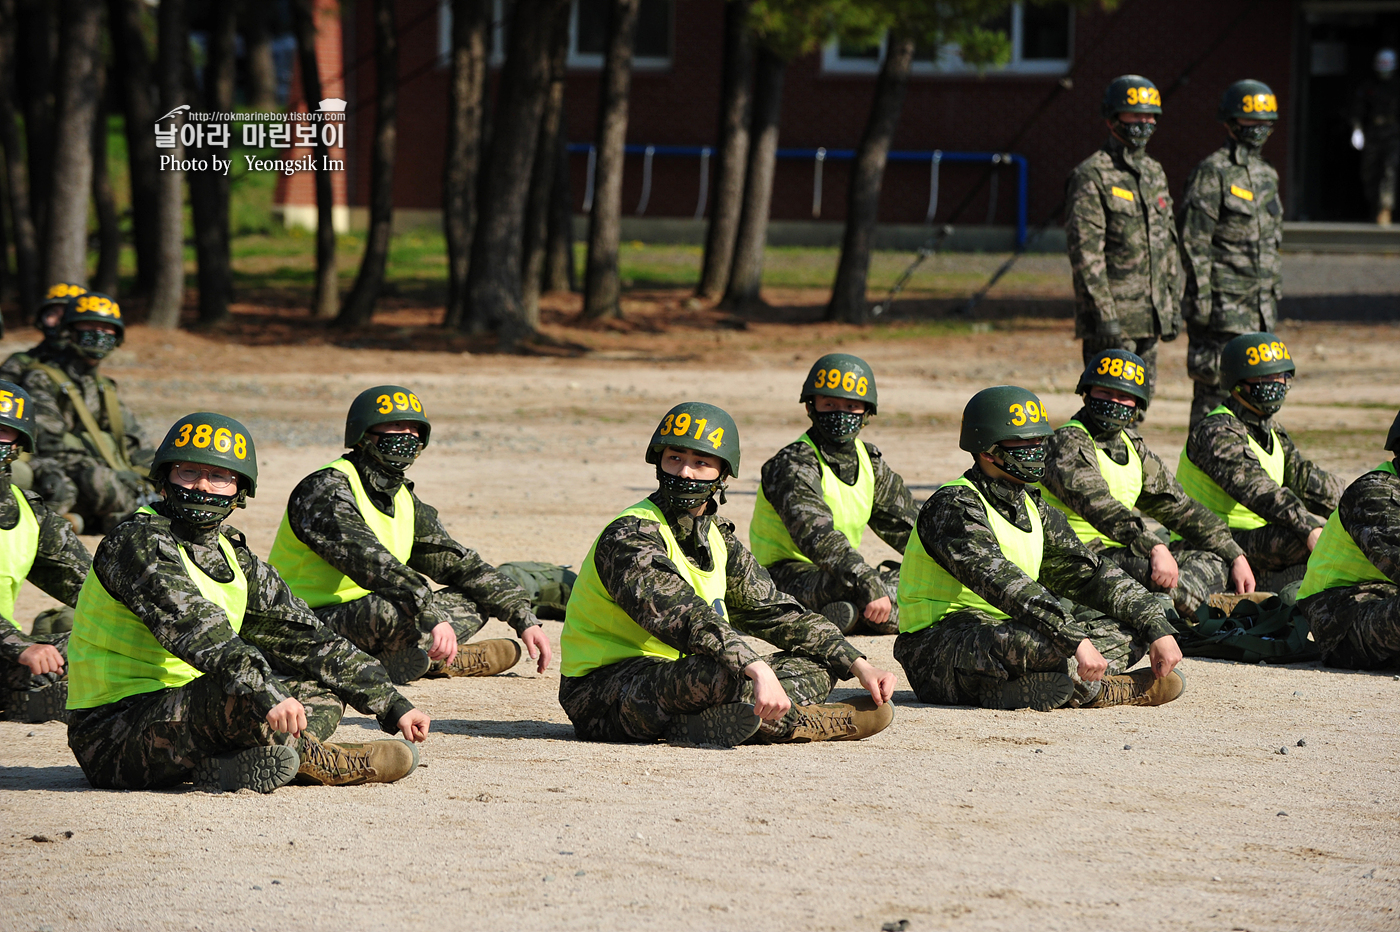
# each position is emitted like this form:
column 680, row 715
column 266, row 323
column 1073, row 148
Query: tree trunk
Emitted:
column 863, row 196
column 733, row 151
column 132, row 73
column 65, row 250
column 545, row 173
column 262, row 72
column 560, row 273
column 466, row 89
column 169, row 292
column 746, row 273
column 16, row 174
column 36, row 53
column 493, row 283
column 602, row 288
column 359, row 304
column 109, row 231
column 325, row 304
column 209, row 190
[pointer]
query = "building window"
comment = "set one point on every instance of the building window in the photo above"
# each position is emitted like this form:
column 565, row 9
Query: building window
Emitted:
column 1041, row 38
column 588, row 34
column 498, row 33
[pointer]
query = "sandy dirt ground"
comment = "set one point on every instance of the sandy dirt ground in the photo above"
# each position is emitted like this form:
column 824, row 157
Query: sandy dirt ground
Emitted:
column 1186, row 817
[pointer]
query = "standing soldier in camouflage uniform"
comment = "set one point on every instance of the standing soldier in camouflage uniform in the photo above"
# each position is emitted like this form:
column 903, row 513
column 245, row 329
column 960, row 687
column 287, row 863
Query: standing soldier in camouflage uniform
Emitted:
column 820, row 492
column 1375, row 130
column 191, row 659
column 1119, row 233
column 1241, row 464
column 81, row 424
column 1099, row 470
column 40, row 546
column 653, row 640
column 1351, row 593
column 980, row 617
column 1231, row 227
column 360, row 548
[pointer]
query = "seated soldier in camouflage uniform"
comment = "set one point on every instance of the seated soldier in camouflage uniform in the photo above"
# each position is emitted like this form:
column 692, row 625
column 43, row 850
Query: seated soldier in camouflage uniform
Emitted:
column 653, row 641
column 980, row 616
column 40, row 546
column 820, row 492
column 1099, row 470
column 81, row 424
column 361, row 549
column 1351, row 593
column 1241, row 464
column 191, row 659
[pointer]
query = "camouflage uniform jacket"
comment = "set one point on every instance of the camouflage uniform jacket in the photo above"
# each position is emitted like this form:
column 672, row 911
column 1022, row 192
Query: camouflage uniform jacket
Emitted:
column 139, row 565
column 1072, row 473
column 633, row 567
column 323, row 515
column 954, row 530
column 1122, row 244
column 46, row 352
column 1231, row 229
column 57, row 429
column 792, row 482
column 1370, row 513
column 1218, row 447
column 60, row 564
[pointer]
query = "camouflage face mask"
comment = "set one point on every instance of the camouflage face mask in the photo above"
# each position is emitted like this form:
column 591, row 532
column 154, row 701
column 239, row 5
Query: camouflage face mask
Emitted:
column 1111, row 414
column 9, row 452
column 1253, row 136
column 688, row 493
column 838, row 426
column 1025, row 463
column 1266, row 396
column 394, row 451
column 1135, row 134
column 199, row 509
column 94, row 344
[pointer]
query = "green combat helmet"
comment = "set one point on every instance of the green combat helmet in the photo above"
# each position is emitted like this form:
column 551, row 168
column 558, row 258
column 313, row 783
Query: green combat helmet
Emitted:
column 1249, row 100
column 93, row 307
column 1121, row 371
column 840, row 375
column 56, row 297
column 1131, row 93
column 1007, row 412
column 207, row 439
column 1249, row 356
column 1392, row 439
column 704, row 428
column 17, row 412
column 385, row 404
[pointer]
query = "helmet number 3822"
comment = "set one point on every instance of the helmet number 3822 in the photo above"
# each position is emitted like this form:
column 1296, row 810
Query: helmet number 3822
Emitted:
column 204, row 436
column 850, row 382
column 679, row 425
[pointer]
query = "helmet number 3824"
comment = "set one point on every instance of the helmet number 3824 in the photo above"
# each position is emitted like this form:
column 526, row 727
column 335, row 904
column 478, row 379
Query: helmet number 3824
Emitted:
column 203, row 436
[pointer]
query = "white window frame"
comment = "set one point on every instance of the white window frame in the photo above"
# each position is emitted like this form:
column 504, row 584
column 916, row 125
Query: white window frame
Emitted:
column 498, row 34
column 949, row 61
column 592, row 61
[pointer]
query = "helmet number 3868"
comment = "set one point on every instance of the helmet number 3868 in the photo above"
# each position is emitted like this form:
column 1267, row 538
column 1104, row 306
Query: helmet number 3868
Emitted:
column 204, row 436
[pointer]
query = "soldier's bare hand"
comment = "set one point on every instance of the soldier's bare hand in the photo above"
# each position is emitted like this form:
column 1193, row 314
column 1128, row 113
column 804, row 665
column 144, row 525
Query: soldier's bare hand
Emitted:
column 289, row 717
column 771, row 702
column 1313, row 535
column 1092, row 665
column 1165, row 572
column 878, row 612
column 879, row 683
column 537, row 643
column 413, row 725
column 1164, row 655
column 444, row 643
column 1242, row 575
column 41, row 658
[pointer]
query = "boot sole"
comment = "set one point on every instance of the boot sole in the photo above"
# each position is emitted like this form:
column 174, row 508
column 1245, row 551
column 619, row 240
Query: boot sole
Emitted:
column 723, row 726
column 261, row 769
column 36, row 706
column 841, row 614
column 1039, row 691
column 405, row 666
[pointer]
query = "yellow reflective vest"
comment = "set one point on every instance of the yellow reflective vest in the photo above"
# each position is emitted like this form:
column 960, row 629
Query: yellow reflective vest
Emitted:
column 18, row 547
column 851, row 507
column 1337, row 562
column 1124, row 484
column 1205, row 490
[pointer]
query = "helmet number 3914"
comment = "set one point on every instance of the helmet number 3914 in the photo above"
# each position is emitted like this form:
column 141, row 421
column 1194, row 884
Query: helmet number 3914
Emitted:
column 679, row 425
column 203, row 436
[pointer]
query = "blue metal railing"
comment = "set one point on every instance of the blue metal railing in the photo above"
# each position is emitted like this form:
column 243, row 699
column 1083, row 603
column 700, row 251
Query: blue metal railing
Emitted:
column 818, row 157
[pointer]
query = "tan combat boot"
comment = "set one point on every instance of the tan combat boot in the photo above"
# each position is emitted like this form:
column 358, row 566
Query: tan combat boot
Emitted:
column 850, row 720
column 1226, row 601
column 1383, row 217
column 1140, row 687
column 481, row 658
column 349, row 764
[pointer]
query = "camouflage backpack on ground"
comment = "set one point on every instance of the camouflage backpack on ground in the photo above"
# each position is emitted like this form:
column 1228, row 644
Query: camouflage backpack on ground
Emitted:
column 1273, row 631
column 547, row 584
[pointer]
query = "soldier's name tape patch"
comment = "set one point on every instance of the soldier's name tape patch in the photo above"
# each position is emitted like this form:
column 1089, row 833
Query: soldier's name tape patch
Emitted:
column 202, row 436
column 679, row 425
column 850, row 382
column 1259, row 103
column 1265, row 352
column 1124, row 369
column 10, row 402
column 1124, row 193
column 1031, row 413
column 1245, row 193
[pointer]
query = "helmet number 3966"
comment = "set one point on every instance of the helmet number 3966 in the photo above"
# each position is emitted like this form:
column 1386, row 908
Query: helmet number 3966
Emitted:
column 400, row 401
column 850, row 382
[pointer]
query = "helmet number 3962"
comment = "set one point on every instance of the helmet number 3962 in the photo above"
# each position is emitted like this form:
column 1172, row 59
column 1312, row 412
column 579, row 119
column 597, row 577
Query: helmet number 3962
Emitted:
column 203, row 436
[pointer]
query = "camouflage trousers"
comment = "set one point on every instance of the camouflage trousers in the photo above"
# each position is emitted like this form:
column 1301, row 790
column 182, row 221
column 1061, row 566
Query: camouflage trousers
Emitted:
column 377, row 626
column 15, row 677
column 89, row 487
column 1357, row 627
column 970, row 654
column 1272, row 548
column 813, row 587
column 635, row 699
column 1144, row 347
column 1202, row 573
column 1379, row 162
column 50, row 482
column 155, row 739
